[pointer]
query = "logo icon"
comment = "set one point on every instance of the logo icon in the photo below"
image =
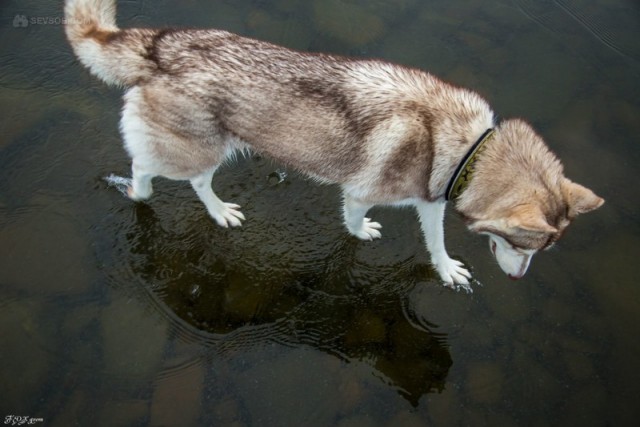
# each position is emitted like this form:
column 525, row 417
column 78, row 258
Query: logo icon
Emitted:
column 20, row 21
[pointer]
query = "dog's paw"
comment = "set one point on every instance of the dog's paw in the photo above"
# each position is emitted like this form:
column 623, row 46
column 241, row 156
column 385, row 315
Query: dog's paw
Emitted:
column 228, row 215
column 136, row 197
column 454, row 274
column 369, row 230
column 123, row 185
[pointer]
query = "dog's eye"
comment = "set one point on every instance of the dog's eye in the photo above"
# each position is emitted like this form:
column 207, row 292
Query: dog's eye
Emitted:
column 523, row 251
column 516, row 248
column 519, row 250
column 552, row 241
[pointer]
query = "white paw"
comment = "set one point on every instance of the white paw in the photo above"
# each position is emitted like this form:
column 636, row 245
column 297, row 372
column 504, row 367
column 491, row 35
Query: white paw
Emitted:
column 369, row 230
column 136, row 197
column 123, row 185
column 454, row 275
column 228, row 215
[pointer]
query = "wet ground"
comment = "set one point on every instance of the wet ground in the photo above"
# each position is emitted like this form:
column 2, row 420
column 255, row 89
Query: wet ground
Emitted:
column 121, row 314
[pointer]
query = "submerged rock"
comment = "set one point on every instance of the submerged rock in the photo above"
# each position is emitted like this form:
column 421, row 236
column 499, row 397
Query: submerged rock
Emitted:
column 45, row 252
column 350, row 23
column 177, row 399
column 134, row 340
column 484, row 382
column 25, row 368
column 286, row 31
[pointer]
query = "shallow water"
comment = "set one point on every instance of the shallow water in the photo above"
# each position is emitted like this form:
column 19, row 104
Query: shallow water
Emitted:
column 115, row 313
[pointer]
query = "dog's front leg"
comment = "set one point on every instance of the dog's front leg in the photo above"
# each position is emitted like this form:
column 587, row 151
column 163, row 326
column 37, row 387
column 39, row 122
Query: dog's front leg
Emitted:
column 432, row 222
column 354, row 218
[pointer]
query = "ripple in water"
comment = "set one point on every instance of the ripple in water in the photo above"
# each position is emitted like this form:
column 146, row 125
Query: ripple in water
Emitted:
column 285, row 280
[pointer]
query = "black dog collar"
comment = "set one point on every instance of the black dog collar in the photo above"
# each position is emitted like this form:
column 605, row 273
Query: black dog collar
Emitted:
column 464, row 172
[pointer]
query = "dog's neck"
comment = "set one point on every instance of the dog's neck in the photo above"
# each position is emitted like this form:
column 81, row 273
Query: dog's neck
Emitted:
column 464, row 172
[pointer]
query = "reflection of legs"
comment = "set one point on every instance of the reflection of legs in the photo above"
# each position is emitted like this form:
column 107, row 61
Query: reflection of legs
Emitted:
column 432, row 223
column 225, row 214
column 140, row 187
column 357, row 224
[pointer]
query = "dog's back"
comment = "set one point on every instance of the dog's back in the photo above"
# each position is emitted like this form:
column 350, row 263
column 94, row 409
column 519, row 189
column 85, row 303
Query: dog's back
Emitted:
column 326, row 115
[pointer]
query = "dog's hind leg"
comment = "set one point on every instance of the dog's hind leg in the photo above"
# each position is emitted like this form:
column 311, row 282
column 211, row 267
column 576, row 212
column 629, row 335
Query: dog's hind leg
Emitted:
column 140, row 188
column 225, row 214
column 354, row 218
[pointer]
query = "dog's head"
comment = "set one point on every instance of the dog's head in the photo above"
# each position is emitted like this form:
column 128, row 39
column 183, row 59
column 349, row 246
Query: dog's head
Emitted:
column 526, row 229
column 520, row 198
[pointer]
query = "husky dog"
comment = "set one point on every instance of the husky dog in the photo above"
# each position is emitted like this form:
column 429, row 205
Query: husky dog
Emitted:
column 387, row 134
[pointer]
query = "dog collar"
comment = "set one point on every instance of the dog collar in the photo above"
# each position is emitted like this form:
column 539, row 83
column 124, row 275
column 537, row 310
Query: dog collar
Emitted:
column 464, row 172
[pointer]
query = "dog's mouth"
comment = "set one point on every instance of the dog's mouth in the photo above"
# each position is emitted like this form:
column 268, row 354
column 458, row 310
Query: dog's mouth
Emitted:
column 520, row 273
column 493, row 245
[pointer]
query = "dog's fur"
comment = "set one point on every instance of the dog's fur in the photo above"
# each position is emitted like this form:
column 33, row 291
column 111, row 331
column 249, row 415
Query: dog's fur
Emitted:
column 387, row 134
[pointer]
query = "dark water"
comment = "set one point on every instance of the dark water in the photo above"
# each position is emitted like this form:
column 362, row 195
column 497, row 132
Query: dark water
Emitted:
column 121, row 314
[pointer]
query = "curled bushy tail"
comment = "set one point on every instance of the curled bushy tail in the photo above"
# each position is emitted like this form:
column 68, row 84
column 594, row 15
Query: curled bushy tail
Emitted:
column 115, row 56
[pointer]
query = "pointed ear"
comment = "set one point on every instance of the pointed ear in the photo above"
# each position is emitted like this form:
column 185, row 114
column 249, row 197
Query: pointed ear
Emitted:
column 580, row 199
column 529, row 217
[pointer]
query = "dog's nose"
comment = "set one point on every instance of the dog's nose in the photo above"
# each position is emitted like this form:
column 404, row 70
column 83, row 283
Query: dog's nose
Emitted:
column 514, row 276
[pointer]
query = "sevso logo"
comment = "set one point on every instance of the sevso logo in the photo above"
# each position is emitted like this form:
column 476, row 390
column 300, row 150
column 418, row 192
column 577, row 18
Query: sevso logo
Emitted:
column 20, row 21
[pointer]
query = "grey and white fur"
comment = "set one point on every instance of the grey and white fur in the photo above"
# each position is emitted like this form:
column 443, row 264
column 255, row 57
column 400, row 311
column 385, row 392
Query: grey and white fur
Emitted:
column 387, row 134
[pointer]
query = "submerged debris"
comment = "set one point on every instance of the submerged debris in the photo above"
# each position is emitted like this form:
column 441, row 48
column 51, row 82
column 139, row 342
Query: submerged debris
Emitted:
column 276, row 177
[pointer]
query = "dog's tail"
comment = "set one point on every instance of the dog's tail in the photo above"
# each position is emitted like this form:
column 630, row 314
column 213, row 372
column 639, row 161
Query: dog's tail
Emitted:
column 116, row 56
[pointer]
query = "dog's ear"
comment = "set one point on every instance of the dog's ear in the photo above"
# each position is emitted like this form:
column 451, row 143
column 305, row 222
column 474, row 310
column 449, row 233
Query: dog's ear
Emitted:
column 580, row 199
column 529, row 217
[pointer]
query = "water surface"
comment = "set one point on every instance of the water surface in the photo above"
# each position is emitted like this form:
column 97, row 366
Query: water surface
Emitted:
column 115, row 313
